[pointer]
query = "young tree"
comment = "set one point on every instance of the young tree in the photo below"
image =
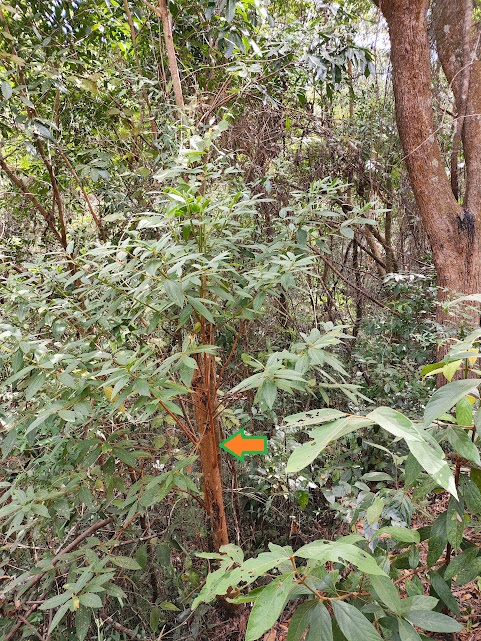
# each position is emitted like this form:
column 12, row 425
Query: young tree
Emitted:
column 451, row 222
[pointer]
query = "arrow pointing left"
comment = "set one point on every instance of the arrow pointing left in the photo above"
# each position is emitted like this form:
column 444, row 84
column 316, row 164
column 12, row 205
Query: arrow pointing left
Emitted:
column 239, row 445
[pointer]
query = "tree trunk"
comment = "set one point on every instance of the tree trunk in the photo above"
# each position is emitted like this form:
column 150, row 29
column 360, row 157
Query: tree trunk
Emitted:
column 204, row 399
column 171, row 55
column 452, row 231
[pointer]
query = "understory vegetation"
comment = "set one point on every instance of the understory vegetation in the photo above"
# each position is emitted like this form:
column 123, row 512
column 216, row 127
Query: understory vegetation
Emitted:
column 207, row 230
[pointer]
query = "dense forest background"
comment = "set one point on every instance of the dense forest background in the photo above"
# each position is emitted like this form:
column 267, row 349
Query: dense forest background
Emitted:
column 250, row 218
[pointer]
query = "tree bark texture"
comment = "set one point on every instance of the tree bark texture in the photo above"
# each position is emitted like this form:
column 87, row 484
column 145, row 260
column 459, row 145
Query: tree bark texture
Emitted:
column 204, row 398
column 452, row 229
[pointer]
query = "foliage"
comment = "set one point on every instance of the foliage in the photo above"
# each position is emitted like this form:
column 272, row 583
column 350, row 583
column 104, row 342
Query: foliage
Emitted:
column 170, row 276
column 358, row 575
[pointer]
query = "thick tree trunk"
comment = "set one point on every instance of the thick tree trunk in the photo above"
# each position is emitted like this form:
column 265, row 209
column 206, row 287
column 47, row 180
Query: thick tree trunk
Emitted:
column 457, row 43
column 453, row 232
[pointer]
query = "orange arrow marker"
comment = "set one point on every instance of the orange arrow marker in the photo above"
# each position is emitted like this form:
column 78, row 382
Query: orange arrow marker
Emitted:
column 239, row 445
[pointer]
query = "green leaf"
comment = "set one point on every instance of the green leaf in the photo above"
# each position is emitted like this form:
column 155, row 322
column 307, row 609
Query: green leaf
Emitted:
column 268, row 607
column 387, row 592
column 353, row 624
column 201, row 309
column 59, row 615
column 464, row 412
column 433, row 621
column 314, row 417
column 441, row 588
column 421, row 444
column 320, row 624
column 35, row 384
column 154, row 618
column 376, row 477
column 82, row 622
column 90, row 600
column 268, row 393
column 55, row 601
column 373, row 512
column 454, row 524
column 446, row 397
column 230, row 10
column 462, row 444
column 300, row 620
column 125, row 562
column 169, row 607
column 407, row 632
column 475, row 476
column 469, row 572
column 303, row 456
column 412, row 470
column 141, row 386
column 471, row 495
column 460, row 562
column 437, row 539
column 324, row 551
column 7, row 90
column 174, row 291
column 8, row 442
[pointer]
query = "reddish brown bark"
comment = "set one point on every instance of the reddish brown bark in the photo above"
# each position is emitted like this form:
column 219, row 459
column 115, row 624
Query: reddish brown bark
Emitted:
column 453, row 232
column 204, row 398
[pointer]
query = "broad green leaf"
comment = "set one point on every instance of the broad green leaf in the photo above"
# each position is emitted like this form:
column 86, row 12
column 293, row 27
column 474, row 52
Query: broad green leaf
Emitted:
column 300, row 620
column 373, row 512
column 268, row 392
column 422, row 445
column 303, row 456
column 336, row 551
column 8, row 442
column 387, row 592
column 82, row 622
column 446, row 397
column 475, row 476
column 90, row 600
column 469, row 573
column 314, row 417
column 471, row 494
column 36, row 383
column 169, row 607
column 125, row 562
column 462, row 444
column 442, row 590
column 141, row 386
column 412, row 469
column 7, row 90
column 174, row 291
column 353, row 624
column 320, row 624
column 407, row 632
column 201, row 309
column 433, row 621
column 454, row 524
column 464, row 412
column 55, row 601
column 268, row 607
column 438, row 539
column 460, row 562
column 399, row 533
column 230, row 10
column 154, row 618
column 374, row 477
column 451, row 368
column 59, row 615
column 419, row 601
